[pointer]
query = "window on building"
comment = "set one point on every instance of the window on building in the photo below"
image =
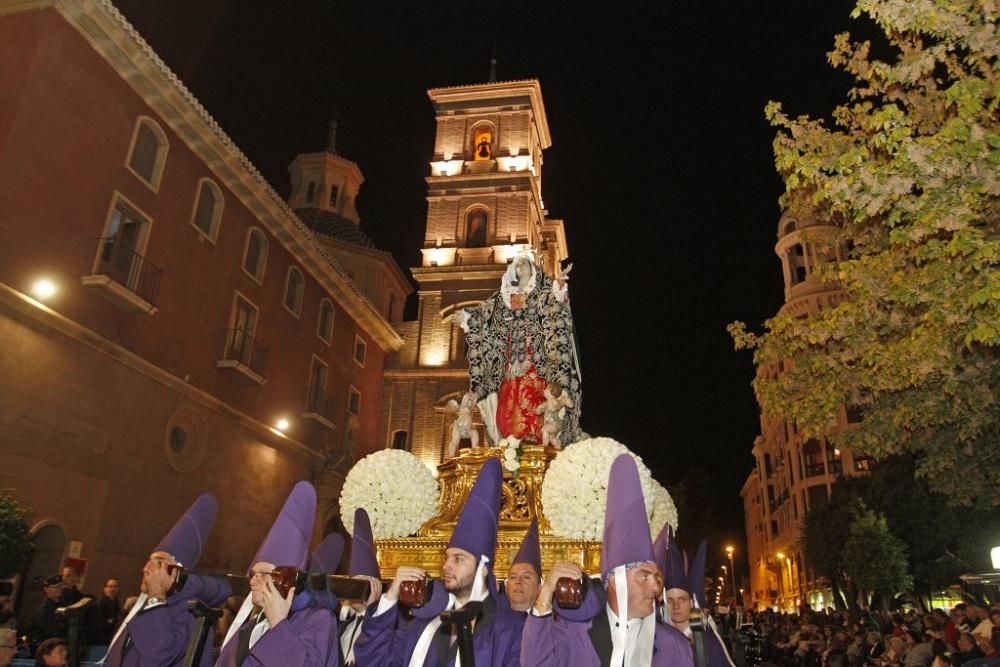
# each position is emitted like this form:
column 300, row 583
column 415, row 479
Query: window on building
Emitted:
column 334, row 193
column 255, row 255
column 354, row 402
column 813, row 455
column 817, row 497
column 311, row 192
column 399, row 440
column 774, row 529
column 797, row 263
column 148, row 152
column 768, row 469
column 316, row 392
column 862, row 463
column 360, row 350
column 482, row 143
column 324, row 326
column 123, row 243
column 240, row 344
column 855, row 414
column 475, row 228
column 294, row 286
column 208, row 209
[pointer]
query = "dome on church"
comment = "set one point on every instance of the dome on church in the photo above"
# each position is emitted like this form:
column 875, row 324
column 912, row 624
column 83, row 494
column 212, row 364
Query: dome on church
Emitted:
column 791, row 221
column 334, row 226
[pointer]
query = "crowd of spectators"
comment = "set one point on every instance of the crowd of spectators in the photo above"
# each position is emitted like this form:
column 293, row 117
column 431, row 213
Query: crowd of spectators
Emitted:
column 44, row 638
column 966, row 636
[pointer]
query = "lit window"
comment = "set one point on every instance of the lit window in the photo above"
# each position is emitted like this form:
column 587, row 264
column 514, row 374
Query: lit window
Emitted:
column 208, row 209
column 354, row 402
column 293, row 291
column 255, row 257
column 148, row 152
column 482, row 143
column 360, row 350
column 324, row 327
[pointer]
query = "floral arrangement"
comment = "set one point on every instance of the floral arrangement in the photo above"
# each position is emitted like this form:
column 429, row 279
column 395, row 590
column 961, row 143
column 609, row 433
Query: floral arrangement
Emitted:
column 511, row 453
column 575, row 489
column 664, row 511
column 397, row 490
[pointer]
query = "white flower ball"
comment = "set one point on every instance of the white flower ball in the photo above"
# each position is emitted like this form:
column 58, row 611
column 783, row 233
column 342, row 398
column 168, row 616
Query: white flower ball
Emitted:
column 575, row 489
column 664, row 511
column 397, row 490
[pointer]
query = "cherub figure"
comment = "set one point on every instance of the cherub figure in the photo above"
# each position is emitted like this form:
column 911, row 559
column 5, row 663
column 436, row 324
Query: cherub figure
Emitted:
column 462, row 427
column 554, row 407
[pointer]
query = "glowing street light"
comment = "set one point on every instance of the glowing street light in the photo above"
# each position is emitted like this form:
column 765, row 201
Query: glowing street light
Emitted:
column 43, row 288
column 282, row 424
column 732, row 570
column 995, row 557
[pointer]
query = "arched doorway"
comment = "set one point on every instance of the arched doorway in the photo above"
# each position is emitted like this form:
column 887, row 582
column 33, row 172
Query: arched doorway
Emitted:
column 46, row 560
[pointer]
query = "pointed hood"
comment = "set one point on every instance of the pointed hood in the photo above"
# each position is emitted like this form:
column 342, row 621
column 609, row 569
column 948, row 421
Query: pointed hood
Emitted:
column 364, row 560
column 327, row 555
column 187, row 538
column 687, row 576
column 696, row 574
column 287, row 543
column 626, row 528
column 476, row 529
column 531, row 550
column 665, row 538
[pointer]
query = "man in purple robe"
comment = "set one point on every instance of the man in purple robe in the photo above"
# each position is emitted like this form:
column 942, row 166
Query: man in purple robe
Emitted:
column 623, row 631
column 684, row 590
column 286, row 630
column 364, row 565
column 525, row 574
column 466, row 576
column 159, row 627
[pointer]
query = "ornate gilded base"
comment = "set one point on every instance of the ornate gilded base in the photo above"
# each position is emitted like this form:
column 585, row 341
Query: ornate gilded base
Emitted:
column 522, row 501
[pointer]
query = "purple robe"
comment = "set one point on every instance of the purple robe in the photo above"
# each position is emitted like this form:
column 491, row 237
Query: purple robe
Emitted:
column 555, row 642
column 496, row 639
column 159, row 636
column 307, row 638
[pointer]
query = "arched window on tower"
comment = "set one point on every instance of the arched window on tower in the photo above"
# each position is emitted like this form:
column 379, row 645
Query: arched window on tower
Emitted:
column 797, row 263
column 482, row 143
column 475, row 228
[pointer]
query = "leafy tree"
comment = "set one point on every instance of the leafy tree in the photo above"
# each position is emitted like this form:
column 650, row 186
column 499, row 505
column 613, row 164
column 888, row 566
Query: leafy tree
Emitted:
column 15, row 536
column 908, row 170
column 873, row 557
column 824, row 532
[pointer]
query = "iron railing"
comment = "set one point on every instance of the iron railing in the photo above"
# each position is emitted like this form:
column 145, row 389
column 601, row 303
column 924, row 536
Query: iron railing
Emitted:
column 317, row 401
column 128, row 268
column 243, row 348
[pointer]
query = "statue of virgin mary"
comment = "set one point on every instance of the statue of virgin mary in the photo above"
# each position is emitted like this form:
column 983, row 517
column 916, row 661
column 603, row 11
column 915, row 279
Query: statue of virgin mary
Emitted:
column 519, row 341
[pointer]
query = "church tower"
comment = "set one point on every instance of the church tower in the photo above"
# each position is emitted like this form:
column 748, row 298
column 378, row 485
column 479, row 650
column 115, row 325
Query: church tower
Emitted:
column 484, row 205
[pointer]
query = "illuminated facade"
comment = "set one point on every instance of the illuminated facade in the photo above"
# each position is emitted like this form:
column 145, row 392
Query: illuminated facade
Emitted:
column 484, row 205
column 793, row 475
column 195, row 309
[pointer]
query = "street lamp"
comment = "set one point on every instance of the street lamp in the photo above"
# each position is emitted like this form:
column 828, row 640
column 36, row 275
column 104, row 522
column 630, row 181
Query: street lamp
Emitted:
column 732, row 569
column 995, row 557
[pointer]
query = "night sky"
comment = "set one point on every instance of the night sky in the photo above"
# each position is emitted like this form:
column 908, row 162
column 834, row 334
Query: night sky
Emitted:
column 661, row 166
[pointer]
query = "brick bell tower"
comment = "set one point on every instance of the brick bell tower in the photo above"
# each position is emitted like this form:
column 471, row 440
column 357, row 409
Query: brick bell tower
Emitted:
column 484, row 205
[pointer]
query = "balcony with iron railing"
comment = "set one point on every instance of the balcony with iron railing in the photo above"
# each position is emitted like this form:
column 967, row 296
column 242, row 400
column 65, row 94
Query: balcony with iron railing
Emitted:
column 244, row 356
column 124, row 277
column 318, row 407
column 815, row 469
